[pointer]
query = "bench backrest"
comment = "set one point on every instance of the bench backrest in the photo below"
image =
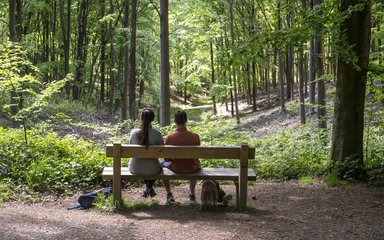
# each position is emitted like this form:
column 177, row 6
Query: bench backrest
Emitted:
column 171, row 151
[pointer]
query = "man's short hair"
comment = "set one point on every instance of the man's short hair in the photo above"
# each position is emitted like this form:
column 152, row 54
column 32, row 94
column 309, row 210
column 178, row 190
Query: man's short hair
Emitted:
column 180, row 117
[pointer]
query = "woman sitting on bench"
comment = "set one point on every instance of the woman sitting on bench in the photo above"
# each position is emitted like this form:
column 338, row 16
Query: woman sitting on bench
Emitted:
column 146, row 135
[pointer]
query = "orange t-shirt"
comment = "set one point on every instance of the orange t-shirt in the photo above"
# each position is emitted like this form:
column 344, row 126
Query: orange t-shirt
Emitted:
column 183, row 137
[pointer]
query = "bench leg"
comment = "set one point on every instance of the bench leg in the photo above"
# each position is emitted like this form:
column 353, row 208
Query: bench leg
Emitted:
column 237, row 192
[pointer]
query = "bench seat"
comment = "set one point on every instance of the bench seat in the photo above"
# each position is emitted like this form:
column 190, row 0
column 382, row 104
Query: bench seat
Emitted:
column 204, row 174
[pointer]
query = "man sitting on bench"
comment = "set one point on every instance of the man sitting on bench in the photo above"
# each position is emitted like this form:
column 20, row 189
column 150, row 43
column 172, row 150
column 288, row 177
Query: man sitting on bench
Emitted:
column 181, row 137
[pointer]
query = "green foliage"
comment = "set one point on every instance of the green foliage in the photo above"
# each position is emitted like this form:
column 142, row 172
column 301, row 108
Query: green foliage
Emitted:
column 294, row 154
column 105, row 204
column 49, row 162
column 306, row 180
column 132, row 206
column 332, row 179
column 374, row 153
column 351, row 169
column 5, row 190
column 20, row 79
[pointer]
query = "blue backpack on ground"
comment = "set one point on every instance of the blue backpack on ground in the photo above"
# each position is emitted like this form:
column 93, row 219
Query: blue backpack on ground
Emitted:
column 86, row 200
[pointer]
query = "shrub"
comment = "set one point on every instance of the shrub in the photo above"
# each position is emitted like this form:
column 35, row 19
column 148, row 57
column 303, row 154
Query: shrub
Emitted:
column 49, row 162
column 292, row 154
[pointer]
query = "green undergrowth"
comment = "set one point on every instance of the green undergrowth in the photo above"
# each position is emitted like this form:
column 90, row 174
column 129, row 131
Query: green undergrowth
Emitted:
column 292, row 154
column 107, row 204
column 49, row 162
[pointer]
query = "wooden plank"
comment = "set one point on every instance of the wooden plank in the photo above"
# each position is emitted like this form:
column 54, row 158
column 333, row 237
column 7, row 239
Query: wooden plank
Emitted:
column 204, row 174
column 171, row 151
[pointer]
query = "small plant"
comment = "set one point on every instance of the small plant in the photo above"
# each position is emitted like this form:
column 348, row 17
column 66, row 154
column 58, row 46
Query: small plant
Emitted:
column 105, row 204
column 306, row 180
column 351, row 169
column 139, row 205
column 5, row 190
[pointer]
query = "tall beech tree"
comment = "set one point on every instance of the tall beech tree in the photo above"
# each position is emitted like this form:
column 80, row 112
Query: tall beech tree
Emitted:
column 124, row 102
column 165, row 99
column 319, row 63
column 132, row 63
column 348, row 123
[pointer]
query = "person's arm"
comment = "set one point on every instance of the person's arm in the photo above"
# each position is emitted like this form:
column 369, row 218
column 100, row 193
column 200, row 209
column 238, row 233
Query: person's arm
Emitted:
column 166, row 142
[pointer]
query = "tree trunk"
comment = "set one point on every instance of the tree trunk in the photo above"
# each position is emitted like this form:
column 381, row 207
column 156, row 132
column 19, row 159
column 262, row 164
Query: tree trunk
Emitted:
column 321, row 101
column 348, row 124
column 213, row 77
column 132, row 64
column 165, row 99
column 274, row 82
column 301, row 85
column 80, row 56
column 65, row 29
column 124, row 100
column 289, row 61
column 254, row 89
column 312, row 76
column 102, row 53
column 112, row 63
column 233, row 66
column 281, row 71
column 267, row 88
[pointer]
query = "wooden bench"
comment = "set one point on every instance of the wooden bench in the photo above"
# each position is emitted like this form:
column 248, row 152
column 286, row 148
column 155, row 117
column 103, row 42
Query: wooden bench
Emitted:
column 240, row 175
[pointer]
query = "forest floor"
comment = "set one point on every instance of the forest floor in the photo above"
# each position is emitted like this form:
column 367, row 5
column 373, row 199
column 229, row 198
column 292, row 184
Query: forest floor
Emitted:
column 281, row 210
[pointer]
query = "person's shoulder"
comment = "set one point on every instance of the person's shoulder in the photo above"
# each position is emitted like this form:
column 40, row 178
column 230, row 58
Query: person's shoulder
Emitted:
column 156, row 131
column 170, row 137
column 135, row 131
column 193, row 133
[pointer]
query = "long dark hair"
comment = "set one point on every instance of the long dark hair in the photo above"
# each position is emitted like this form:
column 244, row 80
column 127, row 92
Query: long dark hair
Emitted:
column 147, row 116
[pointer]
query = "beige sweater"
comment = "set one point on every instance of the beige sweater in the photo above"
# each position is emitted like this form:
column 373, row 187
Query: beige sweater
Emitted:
column 145, row 166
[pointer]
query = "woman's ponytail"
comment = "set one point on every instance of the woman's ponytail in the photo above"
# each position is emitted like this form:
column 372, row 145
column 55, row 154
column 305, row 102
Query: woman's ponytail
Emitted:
column 147, row 116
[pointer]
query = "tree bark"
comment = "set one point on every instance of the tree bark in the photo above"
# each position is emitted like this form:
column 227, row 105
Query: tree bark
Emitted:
column 301, row 85
column 65, row 29
column 102, row 53
column 281, row 71
column 312, row 76
column 233, row 66
column 124, row 100
column 80, row 52
column 112, row 63
column 213, row 77
column 165, row 99
column 254, row 88
column 132, row 63
column 348, row 124
column 321, row 101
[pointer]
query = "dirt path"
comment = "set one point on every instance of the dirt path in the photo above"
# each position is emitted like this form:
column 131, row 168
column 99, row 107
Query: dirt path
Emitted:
column 281, row 211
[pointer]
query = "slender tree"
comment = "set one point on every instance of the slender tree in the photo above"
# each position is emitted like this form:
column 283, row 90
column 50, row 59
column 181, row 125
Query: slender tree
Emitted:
column 318, row 47
column 124, row 101
column 280, row 57
column 231, row 5
column 132, row 63
column 165, row 99
column 112, row 61
column 103, row 57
